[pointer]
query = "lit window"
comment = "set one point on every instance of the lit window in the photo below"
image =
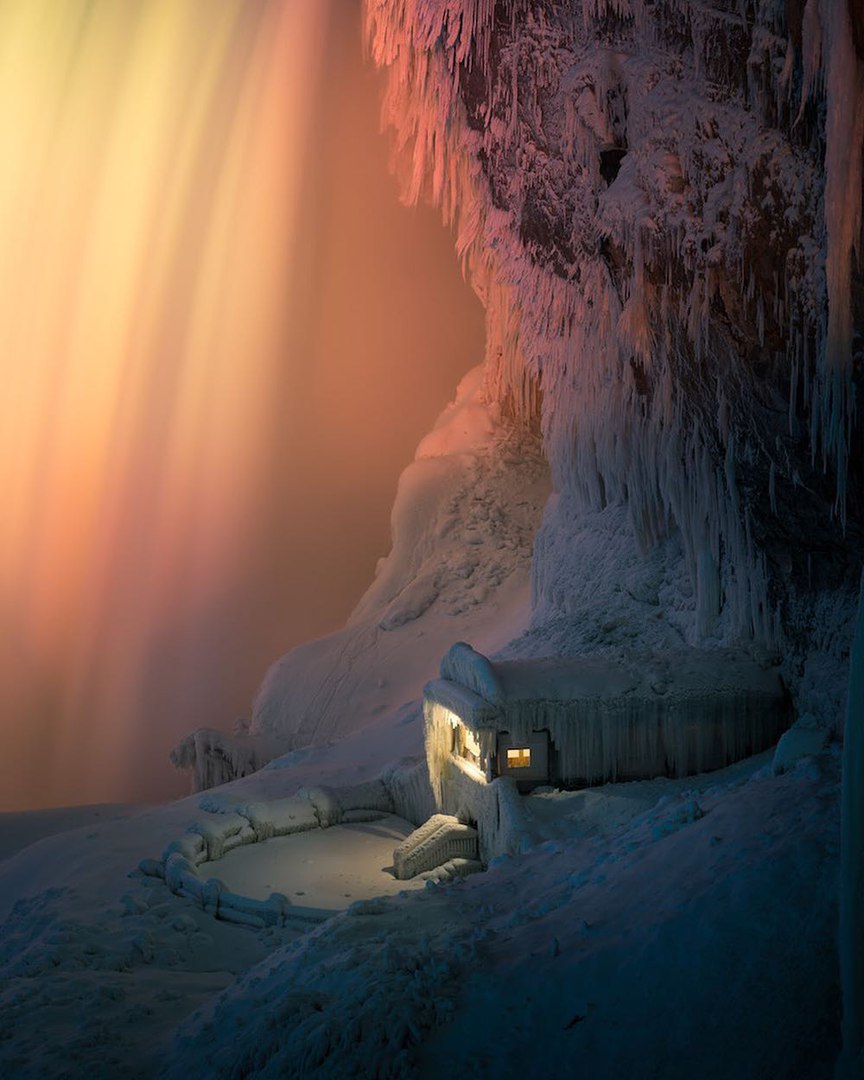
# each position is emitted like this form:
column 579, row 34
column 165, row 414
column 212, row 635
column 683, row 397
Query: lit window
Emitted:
column 519, row 758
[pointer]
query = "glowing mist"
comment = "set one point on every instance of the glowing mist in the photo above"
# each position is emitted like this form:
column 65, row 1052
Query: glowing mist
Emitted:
column 151, row 171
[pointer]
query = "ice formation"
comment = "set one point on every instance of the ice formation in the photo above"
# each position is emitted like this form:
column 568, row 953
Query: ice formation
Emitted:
column 637, row 189
column 213, row 757
column 672, row 295
column 638, row 195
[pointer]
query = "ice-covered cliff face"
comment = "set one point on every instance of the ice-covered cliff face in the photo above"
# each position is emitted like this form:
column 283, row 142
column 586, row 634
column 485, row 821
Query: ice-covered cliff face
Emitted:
column 659, row 203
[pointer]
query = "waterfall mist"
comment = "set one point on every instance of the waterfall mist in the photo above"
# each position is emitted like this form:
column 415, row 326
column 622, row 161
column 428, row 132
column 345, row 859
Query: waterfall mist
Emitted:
column 222, row 339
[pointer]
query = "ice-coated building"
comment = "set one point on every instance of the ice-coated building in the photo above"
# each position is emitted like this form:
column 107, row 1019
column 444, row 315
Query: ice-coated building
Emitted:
column 589, row 719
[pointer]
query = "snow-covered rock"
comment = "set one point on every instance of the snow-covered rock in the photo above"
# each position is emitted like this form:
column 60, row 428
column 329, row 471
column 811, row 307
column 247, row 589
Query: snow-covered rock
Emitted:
column 804, row 739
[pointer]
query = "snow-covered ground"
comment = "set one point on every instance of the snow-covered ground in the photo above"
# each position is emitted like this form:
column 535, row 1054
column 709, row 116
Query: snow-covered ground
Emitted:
column 22, row 828
column 646, row 922
column 651, row 945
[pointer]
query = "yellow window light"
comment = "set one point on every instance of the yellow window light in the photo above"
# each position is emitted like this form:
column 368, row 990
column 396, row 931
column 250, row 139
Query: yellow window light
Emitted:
column 518, row 757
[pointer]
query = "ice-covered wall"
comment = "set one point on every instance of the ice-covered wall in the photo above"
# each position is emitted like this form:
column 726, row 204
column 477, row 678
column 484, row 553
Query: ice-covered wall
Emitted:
column 461, row 789
column 659, row 203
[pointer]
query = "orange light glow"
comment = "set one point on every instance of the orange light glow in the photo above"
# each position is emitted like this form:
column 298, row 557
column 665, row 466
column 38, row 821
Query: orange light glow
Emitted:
column 150, row 177
column 212, row 372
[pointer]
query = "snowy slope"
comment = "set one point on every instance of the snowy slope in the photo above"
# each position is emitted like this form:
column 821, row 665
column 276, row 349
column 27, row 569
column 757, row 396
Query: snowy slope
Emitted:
column 633, row 948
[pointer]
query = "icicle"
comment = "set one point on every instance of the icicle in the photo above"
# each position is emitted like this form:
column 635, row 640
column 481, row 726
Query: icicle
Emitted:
column 707, row 593
column 811, row 32
column 643, row 285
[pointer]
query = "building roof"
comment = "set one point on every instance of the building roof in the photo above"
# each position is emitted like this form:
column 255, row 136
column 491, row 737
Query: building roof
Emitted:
column 481, row 690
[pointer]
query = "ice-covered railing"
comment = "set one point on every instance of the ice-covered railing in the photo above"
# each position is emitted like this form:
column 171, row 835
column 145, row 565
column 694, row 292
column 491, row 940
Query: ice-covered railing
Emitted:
column 440, row 840
column 401, row 789
column 672, row 312
column 209, row 838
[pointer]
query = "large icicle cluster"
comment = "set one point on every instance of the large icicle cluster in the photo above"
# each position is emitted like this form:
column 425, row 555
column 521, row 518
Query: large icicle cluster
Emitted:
column 637, row 188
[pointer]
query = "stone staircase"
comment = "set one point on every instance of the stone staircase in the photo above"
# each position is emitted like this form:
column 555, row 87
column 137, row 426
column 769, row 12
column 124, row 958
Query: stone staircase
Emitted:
column 442, row 839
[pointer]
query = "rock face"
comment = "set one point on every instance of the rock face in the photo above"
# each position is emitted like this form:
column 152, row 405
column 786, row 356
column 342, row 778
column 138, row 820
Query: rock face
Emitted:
column 658, row 202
